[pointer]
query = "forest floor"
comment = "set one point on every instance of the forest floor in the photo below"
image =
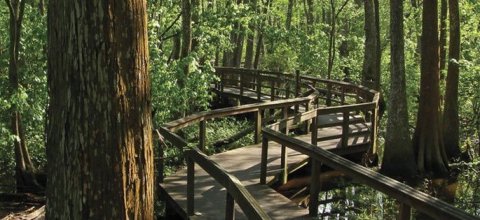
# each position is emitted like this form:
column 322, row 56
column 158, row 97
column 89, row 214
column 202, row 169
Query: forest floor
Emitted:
column 22, row 206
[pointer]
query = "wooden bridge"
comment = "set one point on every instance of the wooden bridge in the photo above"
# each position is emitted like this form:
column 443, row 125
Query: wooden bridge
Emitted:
column 297, row 119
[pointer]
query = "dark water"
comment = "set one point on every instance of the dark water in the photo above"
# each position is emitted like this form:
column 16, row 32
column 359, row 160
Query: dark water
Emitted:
column 342, row 198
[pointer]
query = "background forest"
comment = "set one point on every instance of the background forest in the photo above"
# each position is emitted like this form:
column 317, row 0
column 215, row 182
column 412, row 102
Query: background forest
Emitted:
column 324, row 38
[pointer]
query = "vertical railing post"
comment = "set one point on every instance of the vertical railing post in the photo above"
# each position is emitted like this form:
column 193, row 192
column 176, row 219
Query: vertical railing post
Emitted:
column 272, row 90
column 161, row 162
column 329, row 94
column 258, row 126
column 345, row 128
column 284, row 155
column 222, row 81
column 404, row 211
column 190, row 186
column 297, row 88
column 259, row 86
column 230, row 207
column 202, row 135
column 307, row 123
column 373, row 129
column 263, row 163
column 342, row 98
column 314, row 126
column 314, row 188
column 241, row 84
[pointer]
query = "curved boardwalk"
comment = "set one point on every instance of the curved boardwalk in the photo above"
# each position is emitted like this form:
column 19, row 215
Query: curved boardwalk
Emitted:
column 336, row 118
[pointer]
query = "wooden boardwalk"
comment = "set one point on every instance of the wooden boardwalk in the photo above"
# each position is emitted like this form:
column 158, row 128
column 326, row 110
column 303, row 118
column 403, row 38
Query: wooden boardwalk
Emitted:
column 341, row 118
column 244, row 163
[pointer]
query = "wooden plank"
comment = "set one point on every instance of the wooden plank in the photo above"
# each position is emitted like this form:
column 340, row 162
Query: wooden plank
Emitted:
column 233, row 186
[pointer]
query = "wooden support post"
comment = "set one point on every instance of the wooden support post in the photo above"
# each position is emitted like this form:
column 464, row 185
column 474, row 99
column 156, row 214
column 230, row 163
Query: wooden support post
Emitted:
column 404, row 211
column 287, row 90
column 307, row 123
column 263, row 163
column 258, row 126
column 329, row 94
column 297, row 88
column 284, row 155
column 373, row 129
column 222, row 81
column 314, row 137
column 259, row 87
column 202, row 135
column 230, row 207
column 272, row 90
column 314, row 188
column 190, row 187
column 342, row 98
column 345, row 128
column 241, row 84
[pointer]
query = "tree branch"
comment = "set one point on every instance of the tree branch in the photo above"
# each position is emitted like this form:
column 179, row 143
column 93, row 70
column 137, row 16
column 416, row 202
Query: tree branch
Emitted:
column 170, row 26
column 10, row 7
column 341, row 8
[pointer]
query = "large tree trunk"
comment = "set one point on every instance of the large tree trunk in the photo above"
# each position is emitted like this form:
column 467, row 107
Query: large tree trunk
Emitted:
column 428, row 140
column 24, row 169
column 370, row 72
column 99, row 145
column 398, row 158
column 450, row 115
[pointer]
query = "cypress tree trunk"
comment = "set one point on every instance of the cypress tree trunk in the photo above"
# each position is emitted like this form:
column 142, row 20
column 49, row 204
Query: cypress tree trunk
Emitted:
column 288, row 22
column 398, row 158
column 99, row 145
column 250, row 39
column 370, row 72
column 450, row 115
column 428, row 137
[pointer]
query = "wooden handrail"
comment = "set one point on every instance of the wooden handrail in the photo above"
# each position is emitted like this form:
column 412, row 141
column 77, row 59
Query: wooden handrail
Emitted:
column 233, row 186
column 405, row 194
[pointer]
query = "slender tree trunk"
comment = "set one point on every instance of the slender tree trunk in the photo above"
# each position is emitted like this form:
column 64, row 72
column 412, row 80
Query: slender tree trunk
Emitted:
column 176, row 48
column 186, row 31
column 450, row 115
column 428, row 140
column 250, row 39
column 259, row 49
column 331, row 41
column 24, row 169
column 370, row 73
column 398, row 158
column 99, row 145
column 288, row 22
column 309, row 15
column 195, row 13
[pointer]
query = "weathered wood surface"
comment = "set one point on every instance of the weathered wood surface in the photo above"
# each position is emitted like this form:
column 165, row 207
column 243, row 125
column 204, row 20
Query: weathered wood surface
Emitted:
column 244, row 163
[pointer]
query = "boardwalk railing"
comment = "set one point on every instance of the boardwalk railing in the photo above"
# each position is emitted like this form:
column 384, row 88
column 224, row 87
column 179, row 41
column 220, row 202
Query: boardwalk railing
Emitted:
column 235, row 191
column 405, row 194
column 285, row 91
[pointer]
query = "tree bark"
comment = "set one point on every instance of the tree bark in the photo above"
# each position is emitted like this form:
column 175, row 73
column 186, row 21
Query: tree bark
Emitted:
column 398, row 158
column 250, row 39
column 24, row 169
column 370, row 72
column 450, row 116
column 288, row 22
column 99, row 145
column 443, row 37
column 428, row 140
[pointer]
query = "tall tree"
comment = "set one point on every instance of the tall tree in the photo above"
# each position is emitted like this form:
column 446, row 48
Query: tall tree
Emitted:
column 250, row 39
column 24, row 169
column 450, row 115
column 428, row 137
column 398, row 158
column 99, row 133
column 186, row 36
column 443, row 36
column 288, row 22
column 370, row 72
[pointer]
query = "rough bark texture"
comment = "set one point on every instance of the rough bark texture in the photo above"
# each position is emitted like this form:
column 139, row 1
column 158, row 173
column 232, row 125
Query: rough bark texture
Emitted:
column 288, row 22
column 24, row 169
column 186, row 38
column 428, row 140
column 450, row 115
column 99, row 145
column 370, row 72
column 398, row 158
column 443, row 36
